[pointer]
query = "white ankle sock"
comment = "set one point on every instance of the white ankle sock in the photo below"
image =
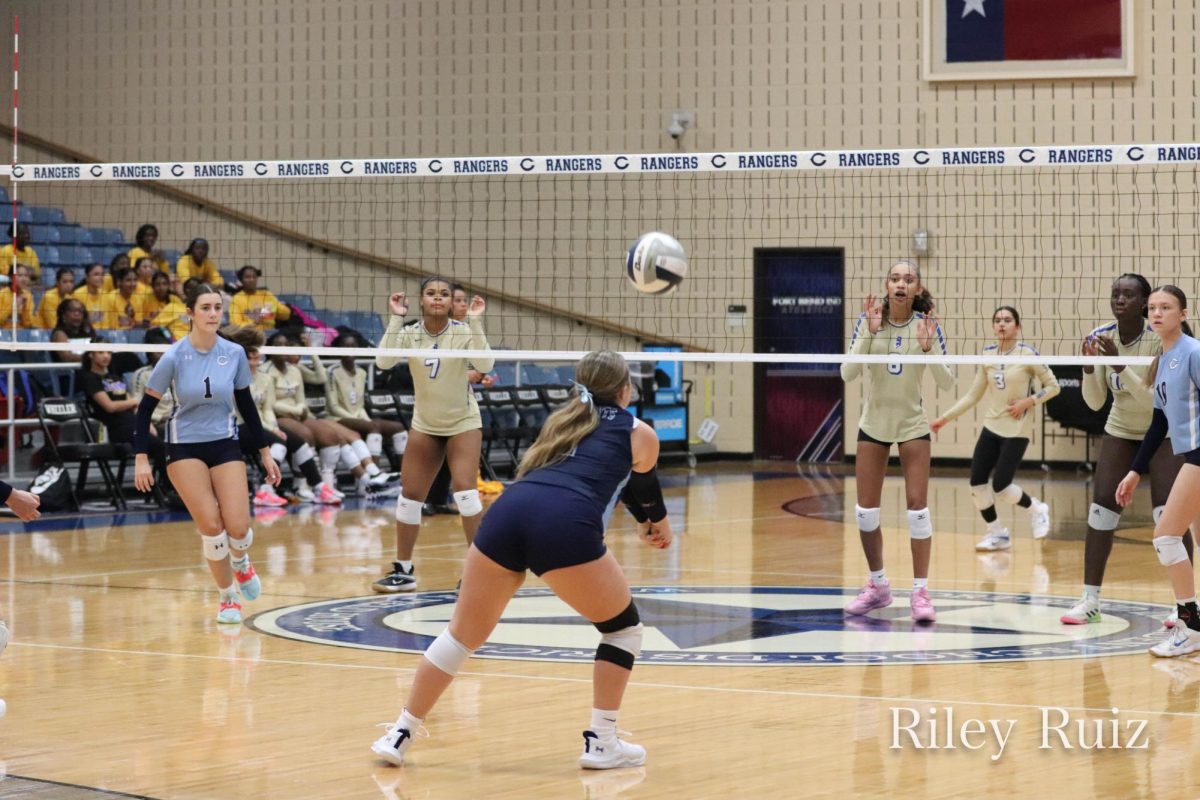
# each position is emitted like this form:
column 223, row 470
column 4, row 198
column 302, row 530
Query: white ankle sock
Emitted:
column 407, row 565
column 879, row 578
column 920, row 583
column 409, row 722
column 1091, row 593
column 603, row 722
column 230, row 592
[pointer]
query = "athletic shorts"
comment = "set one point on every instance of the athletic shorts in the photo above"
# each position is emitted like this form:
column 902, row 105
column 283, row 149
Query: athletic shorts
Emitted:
column 863, row 437
column 1192, row 457
column 213, row 454
column 540, row 528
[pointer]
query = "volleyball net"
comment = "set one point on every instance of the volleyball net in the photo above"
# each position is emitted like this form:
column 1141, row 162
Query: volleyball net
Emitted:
column 782, row 246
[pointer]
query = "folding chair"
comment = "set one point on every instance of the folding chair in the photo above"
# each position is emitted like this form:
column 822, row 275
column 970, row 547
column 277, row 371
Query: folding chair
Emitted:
column 62, row 412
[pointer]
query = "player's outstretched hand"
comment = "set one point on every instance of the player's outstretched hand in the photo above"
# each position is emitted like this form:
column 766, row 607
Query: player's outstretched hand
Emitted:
column 927, row 330
column 24, row 504
column 477, row 307
column 398, row 305
column 873, row 308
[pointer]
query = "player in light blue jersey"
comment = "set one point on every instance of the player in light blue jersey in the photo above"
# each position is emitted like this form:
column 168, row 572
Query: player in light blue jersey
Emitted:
column 1175, row 379
column 209, row 377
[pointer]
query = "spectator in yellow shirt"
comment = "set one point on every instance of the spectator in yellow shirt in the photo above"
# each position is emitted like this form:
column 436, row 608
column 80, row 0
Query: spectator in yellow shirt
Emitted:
column 25, row 254
column 195, row 263
column 123, row 309
column 146, row 239
column 118, row 261
column 164, row 309
column 19, row 283
column 145, row 270
column 91, row 293
column 254, row 306
column 64, row 284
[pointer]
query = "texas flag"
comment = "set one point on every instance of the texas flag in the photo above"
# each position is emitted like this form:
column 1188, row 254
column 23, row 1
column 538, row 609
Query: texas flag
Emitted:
column 1032, row 30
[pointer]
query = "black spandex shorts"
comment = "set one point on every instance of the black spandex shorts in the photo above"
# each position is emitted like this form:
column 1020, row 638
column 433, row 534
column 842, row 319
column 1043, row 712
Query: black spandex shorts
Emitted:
column 863, row 437
column 213, row 454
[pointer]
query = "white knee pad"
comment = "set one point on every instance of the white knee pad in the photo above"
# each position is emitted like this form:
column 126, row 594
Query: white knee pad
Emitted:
column 304, row 453
column 920, row 526
column 868, row 518
column 447, row 653
column 1170, row 550
column 349, row 458
column 982, row 497
column 1158, row 512
column 375, row 444
column 329, row 457
column 468, row 502
column 361, row 451
column 408, row 511
column 400, row 442
column 1103, row 519
column 627, row 639
column 243, row 544
column 278, row 452
column 215, row 548
column 1010, row 494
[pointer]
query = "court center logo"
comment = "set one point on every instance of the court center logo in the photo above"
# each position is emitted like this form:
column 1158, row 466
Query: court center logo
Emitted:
column 743, row 626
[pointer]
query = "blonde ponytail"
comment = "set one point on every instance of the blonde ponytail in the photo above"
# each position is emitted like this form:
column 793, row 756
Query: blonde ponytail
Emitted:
column 601, row 376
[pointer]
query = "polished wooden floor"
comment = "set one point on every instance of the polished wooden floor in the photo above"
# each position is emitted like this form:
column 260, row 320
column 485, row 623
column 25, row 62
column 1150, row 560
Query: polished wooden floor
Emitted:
column 118, row 677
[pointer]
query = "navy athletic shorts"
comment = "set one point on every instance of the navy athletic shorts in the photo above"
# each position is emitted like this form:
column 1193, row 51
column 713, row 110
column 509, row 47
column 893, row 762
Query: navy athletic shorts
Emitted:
column 213, row 454
column 540, row 528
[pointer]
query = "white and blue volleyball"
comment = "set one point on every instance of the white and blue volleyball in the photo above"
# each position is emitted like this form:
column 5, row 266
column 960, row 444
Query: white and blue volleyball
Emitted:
column 656, row 264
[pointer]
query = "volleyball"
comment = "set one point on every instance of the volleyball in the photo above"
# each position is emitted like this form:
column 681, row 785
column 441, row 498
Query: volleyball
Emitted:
column 656, row 263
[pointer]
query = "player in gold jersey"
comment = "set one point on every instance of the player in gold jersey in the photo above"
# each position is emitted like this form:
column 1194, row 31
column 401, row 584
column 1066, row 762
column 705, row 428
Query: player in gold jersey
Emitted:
column 903, row 324
column 1006, row 428
column 1128, row 420
column 446, row 423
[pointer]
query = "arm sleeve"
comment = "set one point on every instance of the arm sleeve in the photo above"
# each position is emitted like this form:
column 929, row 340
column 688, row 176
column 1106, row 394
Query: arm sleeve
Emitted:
column 5, row 492
column 245, row 405
column 643, row 497
column 479, row 342
column 943, row 376
column 1150, row 444
column 973, row 396
column 1095, row 387
column 1050, row 387
column 163, row 374
column 860, row 342
column 141, row 424
column 394, row 337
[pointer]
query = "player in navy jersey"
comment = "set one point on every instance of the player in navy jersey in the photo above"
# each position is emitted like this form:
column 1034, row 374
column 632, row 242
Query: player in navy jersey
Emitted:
column 551, row 521
column 209, row 377
column 1175, row 379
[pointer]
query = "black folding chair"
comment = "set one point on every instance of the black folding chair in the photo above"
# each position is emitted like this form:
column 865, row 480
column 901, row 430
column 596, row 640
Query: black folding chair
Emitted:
column 64, row 412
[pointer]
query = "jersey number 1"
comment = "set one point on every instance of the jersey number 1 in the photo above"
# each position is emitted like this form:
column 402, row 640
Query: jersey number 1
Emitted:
column 207, row 389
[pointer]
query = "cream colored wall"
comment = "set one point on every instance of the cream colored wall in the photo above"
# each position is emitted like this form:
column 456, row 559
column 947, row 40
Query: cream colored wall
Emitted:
column 142, row 80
